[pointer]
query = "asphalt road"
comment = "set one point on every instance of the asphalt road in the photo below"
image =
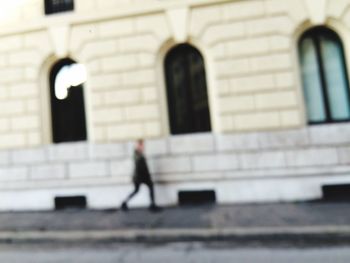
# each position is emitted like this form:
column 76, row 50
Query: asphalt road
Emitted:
column 169, row 253
column 183, row 217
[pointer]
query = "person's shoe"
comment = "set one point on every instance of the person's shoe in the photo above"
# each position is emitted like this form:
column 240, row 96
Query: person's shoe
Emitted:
column 124, row 207
column 155, row 208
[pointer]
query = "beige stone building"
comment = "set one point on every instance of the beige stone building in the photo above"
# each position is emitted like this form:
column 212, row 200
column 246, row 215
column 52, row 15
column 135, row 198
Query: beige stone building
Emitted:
column 238, row 117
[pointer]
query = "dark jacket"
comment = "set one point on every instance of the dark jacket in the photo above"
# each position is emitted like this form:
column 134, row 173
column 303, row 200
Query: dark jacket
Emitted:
column 141, row 172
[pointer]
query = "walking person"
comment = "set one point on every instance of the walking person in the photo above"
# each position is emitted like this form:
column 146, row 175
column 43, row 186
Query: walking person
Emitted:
column 141, row 176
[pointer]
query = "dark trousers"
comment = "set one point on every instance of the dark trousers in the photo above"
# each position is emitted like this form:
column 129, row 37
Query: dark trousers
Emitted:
column 137, row 188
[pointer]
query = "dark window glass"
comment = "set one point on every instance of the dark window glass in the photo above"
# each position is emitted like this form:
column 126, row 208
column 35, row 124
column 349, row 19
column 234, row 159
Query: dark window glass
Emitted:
column 186, row 90
column 56, row 6
column 67, row 102
column 324, row 76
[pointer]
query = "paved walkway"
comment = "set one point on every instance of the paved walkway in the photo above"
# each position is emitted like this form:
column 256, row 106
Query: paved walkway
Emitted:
column 181, row 222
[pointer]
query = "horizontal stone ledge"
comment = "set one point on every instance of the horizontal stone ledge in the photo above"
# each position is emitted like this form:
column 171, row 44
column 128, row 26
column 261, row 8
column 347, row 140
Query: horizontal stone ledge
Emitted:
column 327, row 172
column 64, row 184
column 320, row 233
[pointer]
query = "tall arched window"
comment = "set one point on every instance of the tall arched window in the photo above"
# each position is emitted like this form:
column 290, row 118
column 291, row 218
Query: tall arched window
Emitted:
column 67, row 101
column 324, row 76
column 186, row 90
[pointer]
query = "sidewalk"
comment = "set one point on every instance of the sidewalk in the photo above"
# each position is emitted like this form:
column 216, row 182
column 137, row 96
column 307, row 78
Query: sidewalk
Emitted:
column 251, row 222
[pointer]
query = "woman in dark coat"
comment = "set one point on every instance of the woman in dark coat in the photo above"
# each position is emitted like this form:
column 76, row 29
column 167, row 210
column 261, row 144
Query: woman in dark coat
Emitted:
column 141, row 176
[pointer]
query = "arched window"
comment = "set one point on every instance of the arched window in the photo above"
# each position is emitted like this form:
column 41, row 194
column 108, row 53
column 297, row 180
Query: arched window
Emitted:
column 186, row 90
column 324, row 76
column 67, row 101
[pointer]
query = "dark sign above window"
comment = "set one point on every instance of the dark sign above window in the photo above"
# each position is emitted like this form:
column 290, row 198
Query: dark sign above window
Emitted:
column 57, row 6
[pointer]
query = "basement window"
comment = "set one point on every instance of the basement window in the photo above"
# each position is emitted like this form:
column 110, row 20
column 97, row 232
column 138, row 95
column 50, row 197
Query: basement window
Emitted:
column 70, row 202
column 196, row 197
column 336, row 193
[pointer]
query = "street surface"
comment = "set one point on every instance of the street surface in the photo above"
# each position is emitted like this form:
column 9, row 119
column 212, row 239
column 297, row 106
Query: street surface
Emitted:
column 169, row 253
column 183, row 217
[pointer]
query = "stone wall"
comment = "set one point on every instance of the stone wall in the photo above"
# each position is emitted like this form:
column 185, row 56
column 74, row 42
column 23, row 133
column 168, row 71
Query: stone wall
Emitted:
column 249, row 47
column 254, row 167
column 21, row 57
column 260, row 148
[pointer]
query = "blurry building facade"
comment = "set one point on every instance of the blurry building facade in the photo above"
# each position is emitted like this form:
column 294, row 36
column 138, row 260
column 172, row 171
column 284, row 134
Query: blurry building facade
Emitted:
column 246, row 98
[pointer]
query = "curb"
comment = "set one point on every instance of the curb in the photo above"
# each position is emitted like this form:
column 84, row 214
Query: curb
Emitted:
column 305, row 234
